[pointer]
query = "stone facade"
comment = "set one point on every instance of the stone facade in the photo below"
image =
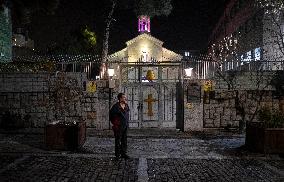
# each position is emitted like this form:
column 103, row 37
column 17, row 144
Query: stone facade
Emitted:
column 193, row 107
column 223, row 108
column 5, row 35
column 145, row 47
column 25, row 101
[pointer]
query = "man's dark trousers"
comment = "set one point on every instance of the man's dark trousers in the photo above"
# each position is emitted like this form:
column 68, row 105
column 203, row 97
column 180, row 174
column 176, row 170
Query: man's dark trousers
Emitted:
column 120, row 141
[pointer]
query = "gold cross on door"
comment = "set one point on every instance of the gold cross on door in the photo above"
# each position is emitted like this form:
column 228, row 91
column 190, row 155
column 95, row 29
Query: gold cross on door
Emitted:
column 150, row 101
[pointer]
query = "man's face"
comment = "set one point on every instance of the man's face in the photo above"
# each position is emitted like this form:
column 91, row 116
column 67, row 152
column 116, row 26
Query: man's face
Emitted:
column 123, row 99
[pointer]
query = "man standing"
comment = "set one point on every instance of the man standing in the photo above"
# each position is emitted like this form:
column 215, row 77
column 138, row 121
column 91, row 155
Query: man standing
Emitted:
column 119, row 117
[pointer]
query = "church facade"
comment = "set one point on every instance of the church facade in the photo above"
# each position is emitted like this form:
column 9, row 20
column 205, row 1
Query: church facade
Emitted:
column 149, row 75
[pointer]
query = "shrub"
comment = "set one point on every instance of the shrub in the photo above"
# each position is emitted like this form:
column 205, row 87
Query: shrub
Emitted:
column 271, row 119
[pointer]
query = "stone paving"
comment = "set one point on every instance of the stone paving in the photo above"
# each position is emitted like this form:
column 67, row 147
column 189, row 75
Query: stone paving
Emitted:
column 164, row 157
column 209, row 170
column 64, row 168
column 7, row 159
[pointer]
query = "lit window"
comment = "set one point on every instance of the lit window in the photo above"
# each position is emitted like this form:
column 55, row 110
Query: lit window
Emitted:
column 248, row 56
column 257, row 54
column 242, row 58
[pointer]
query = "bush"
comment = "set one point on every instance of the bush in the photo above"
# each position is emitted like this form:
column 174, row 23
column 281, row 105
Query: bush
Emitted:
column 271, row 119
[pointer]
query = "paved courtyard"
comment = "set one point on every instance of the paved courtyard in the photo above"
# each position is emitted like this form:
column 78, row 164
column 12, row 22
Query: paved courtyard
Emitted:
column 156, row 156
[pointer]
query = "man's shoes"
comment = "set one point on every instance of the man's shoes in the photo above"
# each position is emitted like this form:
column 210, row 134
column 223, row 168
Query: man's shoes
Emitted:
column 124, row 156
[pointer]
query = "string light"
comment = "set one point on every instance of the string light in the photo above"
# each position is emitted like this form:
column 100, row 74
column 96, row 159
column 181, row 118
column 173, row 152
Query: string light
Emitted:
column 271, row 6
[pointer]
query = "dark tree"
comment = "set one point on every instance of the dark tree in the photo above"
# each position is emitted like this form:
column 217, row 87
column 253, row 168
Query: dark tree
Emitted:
column 153, row 7
column 79, row 41
column 23, row 10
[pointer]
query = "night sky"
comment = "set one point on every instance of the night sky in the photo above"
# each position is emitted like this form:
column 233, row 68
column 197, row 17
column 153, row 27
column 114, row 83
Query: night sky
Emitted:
column 186, row 28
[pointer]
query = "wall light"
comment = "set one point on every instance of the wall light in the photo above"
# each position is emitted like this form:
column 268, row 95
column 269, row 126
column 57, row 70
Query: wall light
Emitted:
column 188, row 72
column 110, row 72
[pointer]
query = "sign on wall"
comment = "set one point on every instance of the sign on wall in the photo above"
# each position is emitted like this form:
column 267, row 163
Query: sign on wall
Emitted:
column 91, row 87
column 193, row 93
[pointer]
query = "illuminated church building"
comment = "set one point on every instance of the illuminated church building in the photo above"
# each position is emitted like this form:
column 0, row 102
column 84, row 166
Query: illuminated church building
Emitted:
column 144, row 48
column 148, row 74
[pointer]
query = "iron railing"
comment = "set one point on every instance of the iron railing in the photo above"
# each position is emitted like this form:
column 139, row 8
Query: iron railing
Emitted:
column 202, row 66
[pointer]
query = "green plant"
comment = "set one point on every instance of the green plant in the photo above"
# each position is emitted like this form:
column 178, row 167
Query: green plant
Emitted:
column 271, row 119
column 277, row 120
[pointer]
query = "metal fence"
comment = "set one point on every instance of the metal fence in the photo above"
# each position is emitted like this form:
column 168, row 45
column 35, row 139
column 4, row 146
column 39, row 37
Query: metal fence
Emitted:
column 202, row 66
column 67, row 63
column 205, row 68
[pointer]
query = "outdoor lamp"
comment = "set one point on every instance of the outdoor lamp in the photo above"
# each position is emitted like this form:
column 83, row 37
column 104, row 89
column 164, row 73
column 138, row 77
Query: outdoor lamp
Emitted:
column 110, row 72
column 188, row 72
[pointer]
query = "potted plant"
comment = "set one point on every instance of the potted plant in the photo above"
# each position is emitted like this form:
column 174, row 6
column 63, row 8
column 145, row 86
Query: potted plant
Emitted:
column 267, row 135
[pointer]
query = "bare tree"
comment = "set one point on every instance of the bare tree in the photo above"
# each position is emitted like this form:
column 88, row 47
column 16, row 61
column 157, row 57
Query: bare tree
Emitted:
column 106, row 40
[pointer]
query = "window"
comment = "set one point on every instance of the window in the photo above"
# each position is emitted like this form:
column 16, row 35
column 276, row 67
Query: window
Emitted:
column 257, row 54
column 242, row 58
column 248, row 57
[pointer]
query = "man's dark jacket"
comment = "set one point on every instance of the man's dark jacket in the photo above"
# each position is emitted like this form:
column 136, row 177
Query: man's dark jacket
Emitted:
column 119, row 116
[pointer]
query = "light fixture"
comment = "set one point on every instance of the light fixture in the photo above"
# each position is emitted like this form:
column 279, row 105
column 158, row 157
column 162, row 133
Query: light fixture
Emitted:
column 110, row 72
column 111, row 82
column 188, row 72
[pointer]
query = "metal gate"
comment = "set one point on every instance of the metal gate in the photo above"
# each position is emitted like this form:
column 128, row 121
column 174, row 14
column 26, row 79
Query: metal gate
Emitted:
column 152, row 103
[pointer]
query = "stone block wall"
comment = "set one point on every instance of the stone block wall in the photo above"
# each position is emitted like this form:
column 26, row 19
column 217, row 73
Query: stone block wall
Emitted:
column 23, row 96
column 193, row 105
column 223, row 108
column 26, row 101
column 193, row 117
column 221, row 111
column 96, row 105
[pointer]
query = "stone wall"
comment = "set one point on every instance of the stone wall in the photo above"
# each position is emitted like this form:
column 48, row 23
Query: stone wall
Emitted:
column 26, row 101
column 223, row 108
column 22, row 95
column 227, row 108
column 193, row 105
column 220, row 110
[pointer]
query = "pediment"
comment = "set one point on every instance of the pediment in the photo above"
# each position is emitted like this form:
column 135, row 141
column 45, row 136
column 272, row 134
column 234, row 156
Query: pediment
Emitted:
column 145, row 36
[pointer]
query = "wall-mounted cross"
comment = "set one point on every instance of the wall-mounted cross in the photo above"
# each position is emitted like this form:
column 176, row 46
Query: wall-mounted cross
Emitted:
column 150, row 101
